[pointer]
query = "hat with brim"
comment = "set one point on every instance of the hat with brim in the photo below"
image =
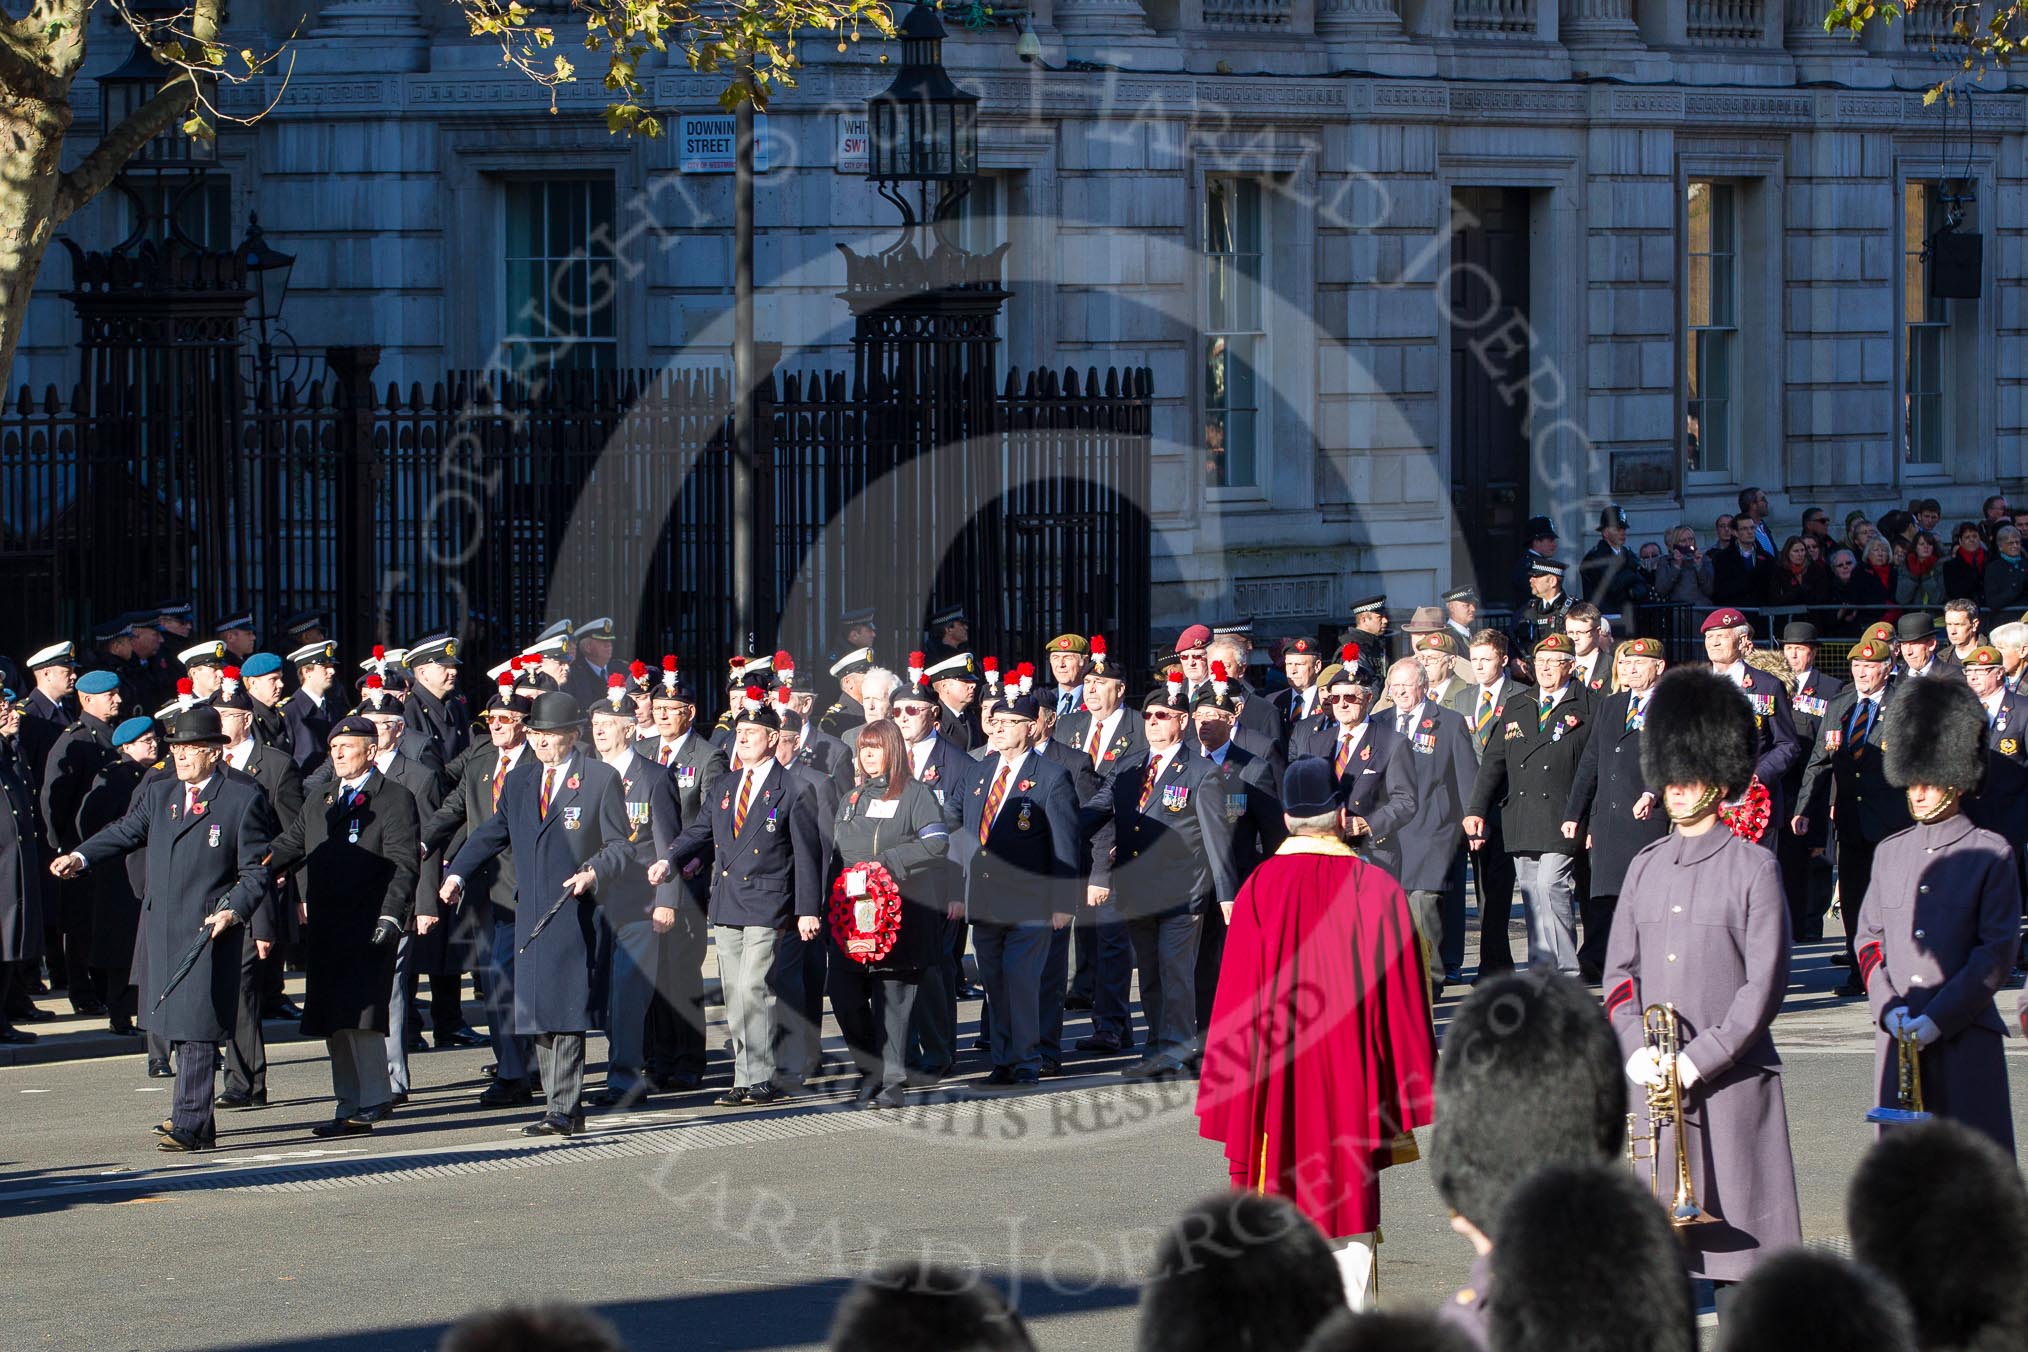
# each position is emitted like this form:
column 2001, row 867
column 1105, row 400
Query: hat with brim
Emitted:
column 1545, row 568
column 197, row 726
column 1463, row 595
column 314, row 654
column 209, row 654
column 224, row 627
column 1800, row 631
column 441, row 649
column 302, row 622
column 555, row 711
column 600, row 628
column 55, row 655
column 956, row 667
column 1914, row 628
column 949, row 615
column 1425, row 620
column 854, row 663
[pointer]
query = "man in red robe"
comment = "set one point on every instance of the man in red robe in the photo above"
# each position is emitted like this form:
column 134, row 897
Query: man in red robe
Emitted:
column 1320, row 1057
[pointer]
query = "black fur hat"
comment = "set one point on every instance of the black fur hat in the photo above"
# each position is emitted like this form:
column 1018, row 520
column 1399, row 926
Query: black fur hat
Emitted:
column 1806, row 1300
column 1387, row 1331
column 1587, row 1262
column 1529, row 1075
column 921, row 1307
column 1941, row 1210
column 1238, row 1270
column 1935, row 734
column 1699, row 730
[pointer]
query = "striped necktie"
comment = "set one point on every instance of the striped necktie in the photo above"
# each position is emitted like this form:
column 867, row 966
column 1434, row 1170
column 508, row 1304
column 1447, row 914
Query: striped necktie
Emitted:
column 1148, row 781
column 548, row 782
column 745, row 798
column 1093, row 749
column 664, row 754
column 993, row 798
column 1635, row 711
column 1344, row 752
column 1484, row 718
column 499, row 775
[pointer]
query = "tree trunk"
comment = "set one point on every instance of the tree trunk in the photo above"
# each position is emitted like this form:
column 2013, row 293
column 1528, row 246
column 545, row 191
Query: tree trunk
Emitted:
column 31, row 146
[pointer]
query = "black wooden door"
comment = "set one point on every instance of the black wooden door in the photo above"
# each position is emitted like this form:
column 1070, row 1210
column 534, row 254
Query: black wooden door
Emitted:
column 1490, row 359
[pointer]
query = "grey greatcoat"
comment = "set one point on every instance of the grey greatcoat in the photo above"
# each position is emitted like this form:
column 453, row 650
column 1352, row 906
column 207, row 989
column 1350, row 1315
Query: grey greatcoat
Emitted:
column 1703, row 926
column 1938, row 932
column 197, row 862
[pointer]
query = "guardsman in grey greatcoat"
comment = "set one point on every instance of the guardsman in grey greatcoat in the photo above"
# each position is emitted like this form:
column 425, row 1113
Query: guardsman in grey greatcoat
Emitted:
column 1704, row 929
column 1940, row 924
column 207, row 834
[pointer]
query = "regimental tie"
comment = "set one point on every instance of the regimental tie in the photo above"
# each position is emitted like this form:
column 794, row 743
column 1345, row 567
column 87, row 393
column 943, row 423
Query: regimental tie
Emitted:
column 993, row 797
column 1093, row 750
column 548, row 783
column 662, row 757
column 745, row 798
column 190, row 801
column 1484, row 718
column 1853, row 731
column 1548, row 708
column 1344, row 752
column 1637, row 711
column 499, row 777
column 1148, row 781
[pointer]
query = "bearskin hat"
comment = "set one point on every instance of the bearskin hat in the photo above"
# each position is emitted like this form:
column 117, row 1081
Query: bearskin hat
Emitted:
column 1529, row 1075
column 1587, row 1262
column 1809, row 1301
column 1940, row 1209
column 1383, row 1331
column 1238, row 1269
column 1935, row 734
column 921, row 1307
column 1699, row 730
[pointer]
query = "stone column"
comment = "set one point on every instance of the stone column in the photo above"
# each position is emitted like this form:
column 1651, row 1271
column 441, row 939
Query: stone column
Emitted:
column 1599, row 23
column 1101, row 18
column 391, row 31
column 1359, row 20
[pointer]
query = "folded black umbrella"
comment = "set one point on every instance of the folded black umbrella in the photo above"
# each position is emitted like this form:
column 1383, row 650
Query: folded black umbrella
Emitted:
column 547, row 916
column 188, row 961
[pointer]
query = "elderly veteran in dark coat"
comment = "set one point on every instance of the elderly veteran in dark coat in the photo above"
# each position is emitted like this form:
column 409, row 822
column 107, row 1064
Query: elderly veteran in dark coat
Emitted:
column 207, row 834
column 1940, row 924
column 357, row 845
column 1438, row 750
column 892, row 822
column 562, row 815
column 1704, row 929
column 1610, row 803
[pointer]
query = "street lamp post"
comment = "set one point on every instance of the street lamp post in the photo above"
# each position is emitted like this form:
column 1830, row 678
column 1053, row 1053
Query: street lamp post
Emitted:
column 268, row 268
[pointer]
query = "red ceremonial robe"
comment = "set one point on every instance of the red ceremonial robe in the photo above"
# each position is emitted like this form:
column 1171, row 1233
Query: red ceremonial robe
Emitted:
column 1320, row 1051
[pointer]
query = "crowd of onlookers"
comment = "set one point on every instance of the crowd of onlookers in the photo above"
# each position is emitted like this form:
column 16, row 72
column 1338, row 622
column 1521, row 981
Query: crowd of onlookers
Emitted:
column 1906, row 559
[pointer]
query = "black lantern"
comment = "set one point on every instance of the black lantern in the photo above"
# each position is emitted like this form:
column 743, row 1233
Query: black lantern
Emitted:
column 923, row 129
column 268, row 268
column 127, row 89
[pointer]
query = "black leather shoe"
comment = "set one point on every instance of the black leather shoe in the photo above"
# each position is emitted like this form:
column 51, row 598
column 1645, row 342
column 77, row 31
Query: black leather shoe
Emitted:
column 554, row 1126
column 88, row 1008
column 341, row 1126
column 459, row 1037
column 624, row 1100
column 379, row 1112
column 168, row 1125
column 506, row 1094
column 233, row 1101
column 124, row 1028
column 1000, row 1075
column 1052, row 1067
column 731, row 1098
column 400, row 1099
column 9, row 1033
column 282, row 1009
column 681, row 1082
column 1840, row 960
column 31, row 1014
column 764, row 1094
column 1852, row 990
column 1026, row 1076
column 181, row 1142
column 414, row 1045
column 1160, row 1067
column 1077, row 1002
column 160, row 1072
column 1100, row 1042
column 490, row 1071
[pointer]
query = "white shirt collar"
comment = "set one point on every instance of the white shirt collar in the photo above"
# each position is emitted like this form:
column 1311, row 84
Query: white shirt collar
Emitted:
column 1162, row 758
column 197, row 790
column 383, row 760
column 1012, row 764
column 1736, row 673
column 512, row 756
column 238, row 755
column 622, row 761
column 352, row 786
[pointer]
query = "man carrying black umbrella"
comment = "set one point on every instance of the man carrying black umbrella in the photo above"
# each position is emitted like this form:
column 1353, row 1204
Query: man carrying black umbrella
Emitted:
column 207, row 834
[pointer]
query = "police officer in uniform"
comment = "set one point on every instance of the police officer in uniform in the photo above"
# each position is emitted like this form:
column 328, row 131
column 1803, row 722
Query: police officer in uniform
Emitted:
column 1541, row 533
column 1543, row 613
column 1845, row 772
column 1612, row 810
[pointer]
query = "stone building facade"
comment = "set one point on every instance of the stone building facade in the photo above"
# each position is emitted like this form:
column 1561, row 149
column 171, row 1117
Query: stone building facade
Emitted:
column 1406, row 271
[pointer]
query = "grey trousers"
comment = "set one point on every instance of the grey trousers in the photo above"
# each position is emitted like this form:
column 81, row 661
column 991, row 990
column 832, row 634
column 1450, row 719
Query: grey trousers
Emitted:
column 246, row 1054
column 1165, row 951
column 400, row 1008
column 746, row 958
column 1427, row 909
column 637, row 953
column 359, row 1076
column 1011, row 960
column 559, row 1057
column 1548, row 884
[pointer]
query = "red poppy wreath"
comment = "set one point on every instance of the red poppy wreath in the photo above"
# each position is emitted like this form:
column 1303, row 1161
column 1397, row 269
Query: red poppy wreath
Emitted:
column 866, row 926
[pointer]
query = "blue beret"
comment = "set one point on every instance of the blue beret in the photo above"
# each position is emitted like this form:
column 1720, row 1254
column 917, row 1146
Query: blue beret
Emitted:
column 261, row 664
column 132, row 730
column 98, row 683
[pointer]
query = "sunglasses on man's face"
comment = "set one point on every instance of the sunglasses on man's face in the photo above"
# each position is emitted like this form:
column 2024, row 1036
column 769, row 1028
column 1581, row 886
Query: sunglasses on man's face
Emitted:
column 1348, row 699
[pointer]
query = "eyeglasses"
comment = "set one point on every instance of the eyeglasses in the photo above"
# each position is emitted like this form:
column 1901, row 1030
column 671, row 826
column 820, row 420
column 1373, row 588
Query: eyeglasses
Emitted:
column 1347, row 699
column 502, row 720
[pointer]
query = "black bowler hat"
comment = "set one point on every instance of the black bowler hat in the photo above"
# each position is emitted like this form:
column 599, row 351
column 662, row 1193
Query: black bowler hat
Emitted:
column 197, row 726
column 1914, row 627
column 1309, row 788
column 555, row 711
column 1800, row 631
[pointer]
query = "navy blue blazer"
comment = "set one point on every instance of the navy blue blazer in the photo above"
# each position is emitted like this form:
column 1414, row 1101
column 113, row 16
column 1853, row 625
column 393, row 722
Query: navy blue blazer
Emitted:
column 1027, row 868
column 772, row 869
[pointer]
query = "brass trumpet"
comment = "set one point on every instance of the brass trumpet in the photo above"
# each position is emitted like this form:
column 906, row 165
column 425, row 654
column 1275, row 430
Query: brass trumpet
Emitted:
column 1908, row 1085
column 1663, row 1036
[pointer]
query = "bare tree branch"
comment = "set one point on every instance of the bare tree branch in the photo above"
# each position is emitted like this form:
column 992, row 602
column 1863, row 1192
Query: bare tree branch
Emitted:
column 21, row 74
column 110, row 155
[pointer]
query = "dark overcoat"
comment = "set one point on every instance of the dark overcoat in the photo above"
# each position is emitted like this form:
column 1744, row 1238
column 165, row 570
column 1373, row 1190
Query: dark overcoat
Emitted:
column 1846, row 772
column 116, row 892
column 357, row 857
column 585, row 827
column 196, row 863
column 1171, row 853
column 1703, row 926
column 1443, row 767
column 906, row 836
column 23, row 867
column 1603, row 795
column 1528, row 767
column 1937, row 935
